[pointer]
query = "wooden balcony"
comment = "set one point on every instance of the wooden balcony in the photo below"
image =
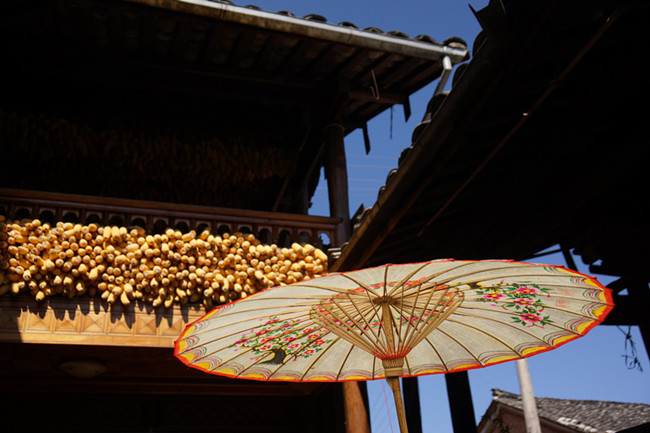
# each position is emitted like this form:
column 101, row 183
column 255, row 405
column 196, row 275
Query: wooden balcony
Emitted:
column 91, row 321
column 89, row 353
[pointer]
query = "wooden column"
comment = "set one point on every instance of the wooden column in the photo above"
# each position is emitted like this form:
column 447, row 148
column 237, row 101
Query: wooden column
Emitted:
column 460, row 402
column 411, row 392
column 356, row 418
column 336, row 172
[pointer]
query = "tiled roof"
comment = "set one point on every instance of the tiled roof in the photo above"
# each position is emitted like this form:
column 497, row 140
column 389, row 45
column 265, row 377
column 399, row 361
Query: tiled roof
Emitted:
column 589, row 416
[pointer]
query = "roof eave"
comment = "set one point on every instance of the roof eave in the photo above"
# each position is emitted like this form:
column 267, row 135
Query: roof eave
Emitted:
column 312, row 29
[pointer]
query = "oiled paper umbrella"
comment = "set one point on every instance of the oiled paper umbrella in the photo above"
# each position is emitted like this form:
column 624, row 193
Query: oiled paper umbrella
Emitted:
column 396, row 321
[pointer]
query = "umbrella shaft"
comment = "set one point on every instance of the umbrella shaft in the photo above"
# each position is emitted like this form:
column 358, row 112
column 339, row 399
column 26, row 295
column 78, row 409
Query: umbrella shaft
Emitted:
column 393, row 382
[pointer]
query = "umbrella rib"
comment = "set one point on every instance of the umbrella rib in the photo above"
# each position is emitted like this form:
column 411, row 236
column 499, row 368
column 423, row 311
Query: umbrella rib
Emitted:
column 311, row 364
column 401, row 309
column 256, row 363
column 523, row 275
column 551, row 307
column 463, row 346
column 245, row 329
column 360, row 284
column 375, row 311
column 501, row 322
column 361, row 342
column 401, row 316
column 297, row 313
column 429, row 327
column 411, row 291
column 569, row 286
column 408, row 365
column 254, row 309
column 362, row 315
column 393, row 327
column 329, row 288
column 252, row 348
column 427, row 279
column 248, row 330
column 463, row 264
column 338, row 374
column 397, row 327
column 401, row 284
column 417, row 294
column 247, row 348
column 482, row 331
column 403, row 280
column 374, row 366
column 281, row 346
column 511, row 314
column 478, row 271
column 444, row 364
column 426, row 304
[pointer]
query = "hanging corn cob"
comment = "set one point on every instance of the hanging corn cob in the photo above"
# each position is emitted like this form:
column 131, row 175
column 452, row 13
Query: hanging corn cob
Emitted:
column 124, row 265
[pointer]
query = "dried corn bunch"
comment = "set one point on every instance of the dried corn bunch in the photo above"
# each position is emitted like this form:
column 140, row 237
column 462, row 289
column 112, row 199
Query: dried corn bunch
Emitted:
column 230, row 165
column 123, row 265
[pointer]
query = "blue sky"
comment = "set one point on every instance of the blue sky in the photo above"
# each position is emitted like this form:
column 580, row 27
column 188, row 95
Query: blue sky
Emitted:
column 591, row 367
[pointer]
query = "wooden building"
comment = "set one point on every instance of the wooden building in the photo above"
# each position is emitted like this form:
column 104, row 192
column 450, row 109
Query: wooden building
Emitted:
column 558, row 415
column 189, row 115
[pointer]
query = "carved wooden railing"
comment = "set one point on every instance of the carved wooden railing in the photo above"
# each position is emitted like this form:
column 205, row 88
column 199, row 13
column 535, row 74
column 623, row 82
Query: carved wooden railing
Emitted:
column 268, row 227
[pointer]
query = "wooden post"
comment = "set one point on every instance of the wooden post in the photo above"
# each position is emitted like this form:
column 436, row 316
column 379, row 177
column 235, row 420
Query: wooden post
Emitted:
column 356, row 418
column 412, row 404
column 527, row 397
column 460, row 402
column 336, row 173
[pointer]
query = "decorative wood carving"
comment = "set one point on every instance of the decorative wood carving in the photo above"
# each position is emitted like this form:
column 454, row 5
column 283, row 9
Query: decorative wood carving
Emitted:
column 92, row 321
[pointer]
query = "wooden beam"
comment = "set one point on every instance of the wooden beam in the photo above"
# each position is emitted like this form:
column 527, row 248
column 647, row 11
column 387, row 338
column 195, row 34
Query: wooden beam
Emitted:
column 460, row 402
column 356, row 419
column 336, row 173
column 411, row 392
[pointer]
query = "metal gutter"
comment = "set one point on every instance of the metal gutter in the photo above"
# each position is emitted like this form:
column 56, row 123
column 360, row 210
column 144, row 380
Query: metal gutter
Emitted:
column 313, row 29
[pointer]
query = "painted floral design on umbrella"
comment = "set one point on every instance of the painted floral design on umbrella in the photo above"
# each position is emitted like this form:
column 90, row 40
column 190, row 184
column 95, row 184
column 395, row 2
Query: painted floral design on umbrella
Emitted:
column 282, row 338
column 525, row 299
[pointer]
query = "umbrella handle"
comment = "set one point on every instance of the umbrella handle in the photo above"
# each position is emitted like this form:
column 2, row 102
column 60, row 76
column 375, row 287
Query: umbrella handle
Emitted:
column 393, row 382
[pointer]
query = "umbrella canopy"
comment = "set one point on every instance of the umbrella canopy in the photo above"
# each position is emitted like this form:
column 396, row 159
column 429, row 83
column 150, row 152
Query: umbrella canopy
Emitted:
column 396, row 321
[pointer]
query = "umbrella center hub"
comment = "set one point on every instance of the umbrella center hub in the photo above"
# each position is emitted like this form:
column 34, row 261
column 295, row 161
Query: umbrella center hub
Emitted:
column 385, row 299
column 389, row 325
